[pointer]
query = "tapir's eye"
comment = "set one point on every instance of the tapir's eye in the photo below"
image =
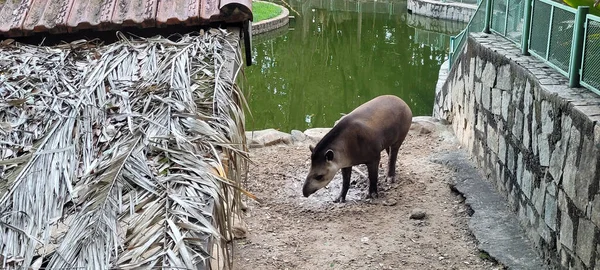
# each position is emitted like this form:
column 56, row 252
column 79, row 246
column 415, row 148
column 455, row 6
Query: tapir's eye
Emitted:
column 319, row 177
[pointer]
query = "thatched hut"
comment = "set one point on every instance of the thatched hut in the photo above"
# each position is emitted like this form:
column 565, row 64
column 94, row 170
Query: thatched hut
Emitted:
column 123, row 155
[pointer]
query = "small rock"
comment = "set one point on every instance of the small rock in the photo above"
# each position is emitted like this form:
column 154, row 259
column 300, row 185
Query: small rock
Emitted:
column 316, row 134
column 417, row 214
column 365, row 240
column 390, row 202
column 298, row 136
column 267, row 137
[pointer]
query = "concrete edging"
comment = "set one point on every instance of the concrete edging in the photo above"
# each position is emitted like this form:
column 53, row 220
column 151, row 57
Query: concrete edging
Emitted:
column 271, row 24
column 448, row 11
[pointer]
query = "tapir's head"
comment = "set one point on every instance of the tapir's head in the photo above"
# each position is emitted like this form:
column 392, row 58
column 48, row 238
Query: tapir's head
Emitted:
column 323, row 167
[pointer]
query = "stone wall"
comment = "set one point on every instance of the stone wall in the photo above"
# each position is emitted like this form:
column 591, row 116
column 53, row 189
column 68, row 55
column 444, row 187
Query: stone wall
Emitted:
column 271, row 24
column 442, row 10
column 536, row 139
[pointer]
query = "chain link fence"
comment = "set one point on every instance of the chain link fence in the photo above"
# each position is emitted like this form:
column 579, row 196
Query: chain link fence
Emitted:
column 476, row 24
column 552, row 35
column 590, row 70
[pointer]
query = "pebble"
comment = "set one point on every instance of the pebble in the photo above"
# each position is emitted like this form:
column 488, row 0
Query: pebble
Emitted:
column 390, row 202
column 417, row 214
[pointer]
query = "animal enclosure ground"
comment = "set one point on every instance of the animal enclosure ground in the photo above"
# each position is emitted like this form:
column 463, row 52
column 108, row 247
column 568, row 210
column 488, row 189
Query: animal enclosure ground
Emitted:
column 288, row 231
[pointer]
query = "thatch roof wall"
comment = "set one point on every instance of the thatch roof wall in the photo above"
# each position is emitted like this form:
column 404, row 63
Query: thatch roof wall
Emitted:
column 117, row 156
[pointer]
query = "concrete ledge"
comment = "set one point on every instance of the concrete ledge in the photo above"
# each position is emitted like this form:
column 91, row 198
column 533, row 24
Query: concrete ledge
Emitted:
column 271, row 24
column 496, row 228
column 447, row 11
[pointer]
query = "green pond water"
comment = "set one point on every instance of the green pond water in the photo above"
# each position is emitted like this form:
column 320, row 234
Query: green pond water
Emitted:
column 337, row 55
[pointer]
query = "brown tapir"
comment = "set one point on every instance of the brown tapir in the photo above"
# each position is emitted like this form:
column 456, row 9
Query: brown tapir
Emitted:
column 358, row 138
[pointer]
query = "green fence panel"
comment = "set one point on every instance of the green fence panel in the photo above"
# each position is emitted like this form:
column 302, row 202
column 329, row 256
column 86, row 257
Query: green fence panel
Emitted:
column 538, row 41
column 514, row 20
column 590, row 68
column 498, row 22
column 561, row 38
column 476, row 24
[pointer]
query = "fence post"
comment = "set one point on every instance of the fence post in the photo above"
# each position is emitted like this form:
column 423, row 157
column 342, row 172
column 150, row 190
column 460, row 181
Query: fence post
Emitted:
column 488, row 16
column 451, row 54
column 526, row 27
column 577, row 46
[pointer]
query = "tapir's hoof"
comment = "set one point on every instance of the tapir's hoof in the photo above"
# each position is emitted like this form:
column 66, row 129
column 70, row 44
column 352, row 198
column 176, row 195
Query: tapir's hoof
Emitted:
column 340, row 200
column 390, row 179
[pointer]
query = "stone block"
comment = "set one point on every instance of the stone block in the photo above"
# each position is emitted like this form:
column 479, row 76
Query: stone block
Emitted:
column 505, row 104
column 534, row 131
column 564, row 258
column 543, row 149
column 517, row 93
column 480, row 65
column 544, row 232
column 596, row 211
column 477, row 87
column 531, row 215
column 570, row 169
column 560, row 150
column 486, row 96
column 492, row 140
column 551, row 188
column 566, row 231
column 502, row 149
column 597, row 256
column 527, row 98
column 496, row 101
column 510, row 158
column 503, row 78
column 586, row 236
column 526, row 133
column 520, row 167
column 550, row 211
column 517, row 128
column 527, row 181
column 546, row 117
column 586, row 176
column 537, row 197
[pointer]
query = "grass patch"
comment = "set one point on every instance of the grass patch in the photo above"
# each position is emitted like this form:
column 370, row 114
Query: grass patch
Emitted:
column 263, row 11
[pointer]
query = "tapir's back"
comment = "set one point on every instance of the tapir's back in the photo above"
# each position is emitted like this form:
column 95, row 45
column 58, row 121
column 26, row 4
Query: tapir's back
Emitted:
column 385, row 119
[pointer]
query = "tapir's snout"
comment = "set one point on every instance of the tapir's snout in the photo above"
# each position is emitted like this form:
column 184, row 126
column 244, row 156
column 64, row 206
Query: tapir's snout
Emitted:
column 306, row 189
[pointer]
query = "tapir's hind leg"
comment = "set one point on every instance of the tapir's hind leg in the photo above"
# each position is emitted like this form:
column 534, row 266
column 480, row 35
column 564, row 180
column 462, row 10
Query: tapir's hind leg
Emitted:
column 393, row 155
column 373, row 168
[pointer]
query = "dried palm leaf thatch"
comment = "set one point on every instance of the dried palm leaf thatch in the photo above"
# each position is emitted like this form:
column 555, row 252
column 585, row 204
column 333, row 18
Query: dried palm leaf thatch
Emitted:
column 123, row 156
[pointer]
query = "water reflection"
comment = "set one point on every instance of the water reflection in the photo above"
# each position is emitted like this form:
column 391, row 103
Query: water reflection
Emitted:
column 339, row 54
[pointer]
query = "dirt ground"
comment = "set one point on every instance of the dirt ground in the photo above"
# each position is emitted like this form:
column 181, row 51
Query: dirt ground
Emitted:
column 288, row 231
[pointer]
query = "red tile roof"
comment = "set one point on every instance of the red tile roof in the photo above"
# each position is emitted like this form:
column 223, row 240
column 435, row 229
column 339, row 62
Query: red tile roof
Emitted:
column 27, row 17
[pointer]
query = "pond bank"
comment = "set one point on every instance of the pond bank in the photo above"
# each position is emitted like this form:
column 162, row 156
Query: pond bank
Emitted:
column 454, row 11
column 267, row 25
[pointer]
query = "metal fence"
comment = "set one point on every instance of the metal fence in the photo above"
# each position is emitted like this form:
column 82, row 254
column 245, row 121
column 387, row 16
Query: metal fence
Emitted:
column 552, row 33
column 476, row 24
column 590, row 67
column 507, row 18
column 566, row 38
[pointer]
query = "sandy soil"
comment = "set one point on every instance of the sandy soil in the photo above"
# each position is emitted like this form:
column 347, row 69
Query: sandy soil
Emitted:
column 288, row 231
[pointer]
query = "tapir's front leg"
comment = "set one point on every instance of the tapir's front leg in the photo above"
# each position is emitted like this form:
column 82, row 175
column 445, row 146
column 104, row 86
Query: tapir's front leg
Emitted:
column 373, row 168
column 346, row 172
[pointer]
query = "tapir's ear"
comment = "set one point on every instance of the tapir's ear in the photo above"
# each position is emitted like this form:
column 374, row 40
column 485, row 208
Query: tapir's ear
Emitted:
column 329, row 155
column 312, row 148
